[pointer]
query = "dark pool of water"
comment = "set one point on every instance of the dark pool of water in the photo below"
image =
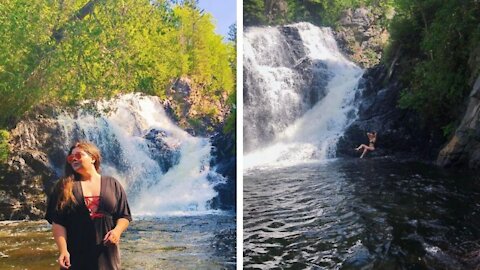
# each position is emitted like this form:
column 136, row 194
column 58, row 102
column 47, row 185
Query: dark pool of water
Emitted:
column 361, row 214
column 195, row 242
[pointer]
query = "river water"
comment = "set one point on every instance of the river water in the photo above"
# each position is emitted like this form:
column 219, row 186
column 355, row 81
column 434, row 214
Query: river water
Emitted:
column 360, row 214
column 188, row 242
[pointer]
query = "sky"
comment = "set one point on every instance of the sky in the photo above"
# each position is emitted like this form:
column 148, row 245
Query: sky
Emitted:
column 224, row 12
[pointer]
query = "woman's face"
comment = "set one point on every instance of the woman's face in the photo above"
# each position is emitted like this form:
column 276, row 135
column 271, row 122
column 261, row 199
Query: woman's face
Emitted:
column 80, row 160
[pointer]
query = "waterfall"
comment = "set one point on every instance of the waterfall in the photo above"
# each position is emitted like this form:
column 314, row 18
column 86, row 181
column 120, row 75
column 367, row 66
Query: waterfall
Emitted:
column 164, row 170
column 299, row 94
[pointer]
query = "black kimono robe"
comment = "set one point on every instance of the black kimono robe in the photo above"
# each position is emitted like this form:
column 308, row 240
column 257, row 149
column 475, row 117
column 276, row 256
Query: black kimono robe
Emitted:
column 84, row 234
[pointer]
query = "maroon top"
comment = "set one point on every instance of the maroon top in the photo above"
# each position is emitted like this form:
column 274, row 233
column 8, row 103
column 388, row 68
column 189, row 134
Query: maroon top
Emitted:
column 92, row 203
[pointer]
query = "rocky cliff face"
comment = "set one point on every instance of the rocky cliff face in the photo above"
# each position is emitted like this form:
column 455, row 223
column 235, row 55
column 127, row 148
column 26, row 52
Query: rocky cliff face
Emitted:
column 276, row 10
column 196, row 113
column 29, row 173
column 463, row 149
column 362, row 35
column 400, row 132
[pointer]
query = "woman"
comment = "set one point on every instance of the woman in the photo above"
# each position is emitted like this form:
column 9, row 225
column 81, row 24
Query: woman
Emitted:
column 88, row 212
column 372, row 138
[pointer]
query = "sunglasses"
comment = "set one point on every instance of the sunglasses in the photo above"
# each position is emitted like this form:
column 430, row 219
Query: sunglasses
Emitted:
column 73, row 157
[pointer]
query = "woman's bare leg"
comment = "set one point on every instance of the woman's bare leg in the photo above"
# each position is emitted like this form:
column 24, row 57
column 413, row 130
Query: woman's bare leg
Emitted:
column 366, row 149
column 360, row 147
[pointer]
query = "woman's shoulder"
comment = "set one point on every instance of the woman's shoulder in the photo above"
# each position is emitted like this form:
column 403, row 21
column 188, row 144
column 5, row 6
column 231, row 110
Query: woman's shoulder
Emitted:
column 111, row 181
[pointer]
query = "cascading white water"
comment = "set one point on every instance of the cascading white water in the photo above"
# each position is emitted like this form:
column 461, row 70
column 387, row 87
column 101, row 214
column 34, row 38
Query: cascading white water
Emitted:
column 174, row 180
column 273, row 78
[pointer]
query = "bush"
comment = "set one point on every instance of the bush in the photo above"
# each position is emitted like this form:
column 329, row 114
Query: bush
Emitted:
column 4, row 148
column 435, row 39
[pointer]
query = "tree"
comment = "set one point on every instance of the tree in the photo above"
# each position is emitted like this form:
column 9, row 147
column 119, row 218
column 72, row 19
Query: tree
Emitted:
column 62, row 52
column 435, row 66
column 253, row 12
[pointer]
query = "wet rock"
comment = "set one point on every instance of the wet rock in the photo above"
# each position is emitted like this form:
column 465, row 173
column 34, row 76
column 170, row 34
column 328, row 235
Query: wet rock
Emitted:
column 29, row 172
column 359, row 258
column 295, row 43
column 315, row 75
column 166, row 155
column 224, row 161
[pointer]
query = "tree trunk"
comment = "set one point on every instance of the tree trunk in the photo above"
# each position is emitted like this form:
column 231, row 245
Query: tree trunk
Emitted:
column 58, row 34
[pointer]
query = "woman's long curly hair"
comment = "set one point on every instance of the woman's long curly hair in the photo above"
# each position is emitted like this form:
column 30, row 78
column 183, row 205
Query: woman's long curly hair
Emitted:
column 64, row 187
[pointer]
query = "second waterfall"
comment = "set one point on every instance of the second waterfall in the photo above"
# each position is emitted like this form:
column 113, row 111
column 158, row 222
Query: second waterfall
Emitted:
column 299, row 94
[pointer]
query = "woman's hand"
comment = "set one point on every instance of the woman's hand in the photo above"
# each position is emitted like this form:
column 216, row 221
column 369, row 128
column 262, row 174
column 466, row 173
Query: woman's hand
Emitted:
column 64, row 260
column 60, row 236
column 112, row 237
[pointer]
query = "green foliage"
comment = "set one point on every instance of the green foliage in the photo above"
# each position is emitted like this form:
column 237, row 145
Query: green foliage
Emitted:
column 195, row 122
column 232, row 54
column 253, row 12
column 319, row 12
column 449, row 129
column 435, row 39
column 113, row 50
column 206, row 54
column 58, row 52
column 329, row 11
column 230, row 126
column 4, row 149
column 232, row 33
column 25, row 34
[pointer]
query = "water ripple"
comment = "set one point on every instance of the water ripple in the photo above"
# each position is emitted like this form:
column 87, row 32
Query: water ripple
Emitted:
column 350, row 215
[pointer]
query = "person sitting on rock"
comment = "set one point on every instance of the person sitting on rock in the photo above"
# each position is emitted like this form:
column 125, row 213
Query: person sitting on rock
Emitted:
column 372, row 138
